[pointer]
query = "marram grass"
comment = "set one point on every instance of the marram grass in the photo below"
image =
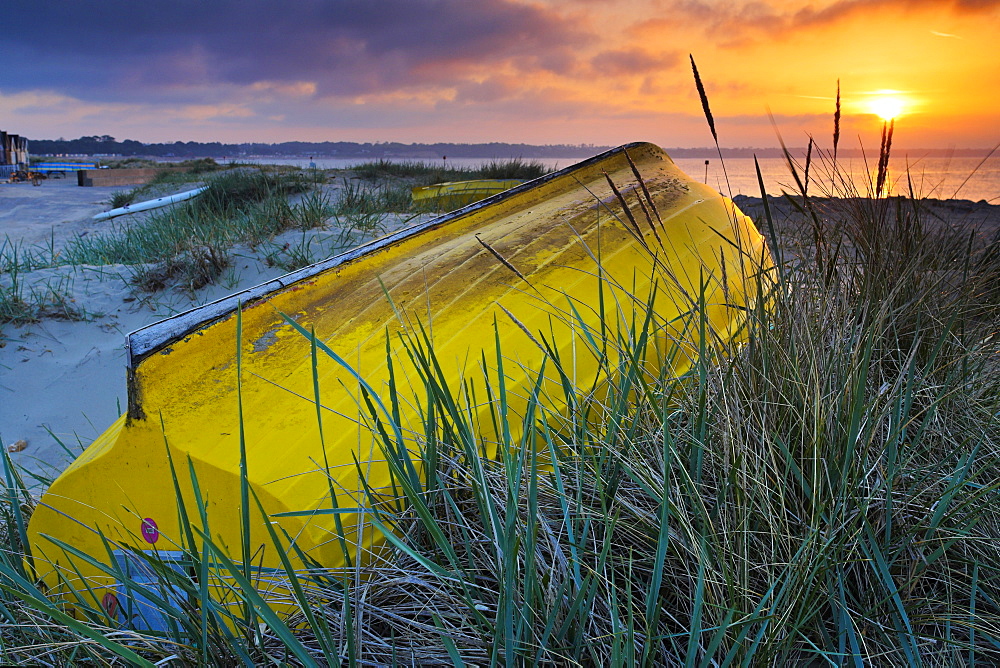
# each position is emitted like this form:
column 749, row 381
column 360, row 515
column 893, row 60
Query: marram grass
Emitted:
column 188, row 246
column 425, row 173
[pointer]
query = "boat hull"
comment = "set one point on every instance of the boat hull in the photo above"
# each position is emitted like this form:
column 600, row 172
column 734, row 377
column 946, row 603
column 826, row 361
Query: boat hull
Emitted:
column 228, row 390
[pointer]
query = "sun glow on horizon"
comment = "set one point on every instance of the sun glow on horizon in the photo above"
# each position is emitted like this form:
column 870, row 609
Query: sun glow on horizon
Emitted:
column 887, row 104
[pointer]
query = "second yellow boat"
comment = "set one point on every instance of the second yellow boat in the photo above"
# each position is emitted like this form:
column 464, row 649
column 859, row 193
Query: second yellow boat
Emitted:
column 455, row 194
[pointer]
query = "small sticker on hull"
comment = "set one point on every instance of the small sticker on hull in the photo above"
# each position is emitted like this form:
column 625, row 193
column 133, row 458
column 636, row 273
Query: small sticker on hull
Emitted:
column 150, row 532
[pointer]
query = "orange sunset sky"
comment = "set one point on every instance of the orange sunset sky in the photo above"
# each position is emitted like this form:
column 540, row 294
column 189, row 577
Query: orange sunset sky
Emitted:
column 543, row 72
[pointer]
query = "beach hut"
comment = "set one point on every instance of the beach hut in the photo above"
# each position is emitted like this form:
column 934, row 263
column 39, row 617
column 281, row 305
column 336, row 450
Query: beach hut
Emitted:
column 13, row 153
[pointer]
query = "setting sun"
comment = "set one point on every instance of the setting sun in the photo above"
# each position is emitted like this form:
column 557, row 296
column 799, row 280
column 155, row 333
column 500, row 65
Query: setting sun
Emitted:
column 887, row 105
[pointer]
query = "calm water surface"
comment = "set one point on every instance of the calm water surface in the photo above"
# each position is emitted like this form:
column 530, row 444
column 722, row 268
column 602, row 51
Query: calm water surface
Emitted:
column 941, row 178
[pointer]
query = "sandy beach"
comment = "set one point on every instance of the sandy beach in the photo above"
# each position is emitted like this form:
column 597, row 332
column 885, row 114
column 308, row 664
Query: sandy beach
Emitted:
column 62, row 380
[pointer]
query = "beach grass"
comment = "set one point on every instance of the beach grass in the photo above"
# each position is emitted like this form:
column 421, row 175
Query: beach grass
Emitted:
column 189, row 242
column 121, row 198
column 424, row 173
column 23, row 301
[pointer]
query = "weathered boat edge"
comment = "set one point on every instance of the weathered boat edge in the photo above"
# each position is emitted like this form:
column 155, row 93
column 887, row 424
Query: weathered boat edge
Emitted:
column 152, row 338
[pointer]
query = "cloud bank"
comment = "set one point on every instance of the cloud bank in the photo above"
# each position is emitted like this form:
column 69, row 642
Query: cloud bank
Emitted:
column 563, row 71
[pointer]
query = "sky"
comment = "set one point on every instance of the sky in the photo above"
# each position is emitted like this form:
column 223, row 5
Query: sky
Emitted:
column 599, row 72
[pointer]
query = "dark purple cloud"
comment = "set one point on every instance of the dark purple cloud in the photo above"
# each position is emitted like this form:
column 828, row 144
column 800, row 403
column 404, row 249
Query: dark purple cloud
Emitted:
column 348, row 47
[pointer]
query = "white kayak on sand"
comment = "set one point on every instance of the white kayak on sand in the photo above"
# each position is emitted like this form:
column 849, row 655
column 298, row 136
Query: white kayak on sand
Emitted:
column 150, row 204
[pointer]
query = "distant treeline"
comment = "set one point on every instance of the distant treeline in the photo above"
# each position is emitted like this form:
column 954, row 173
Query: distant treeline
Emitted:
column 107, row 145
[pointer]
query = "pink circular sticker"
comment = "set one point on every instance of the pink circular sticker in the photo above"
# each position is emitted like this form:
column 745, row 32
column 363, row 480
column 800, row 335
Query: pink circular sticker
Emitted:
column 150, row 533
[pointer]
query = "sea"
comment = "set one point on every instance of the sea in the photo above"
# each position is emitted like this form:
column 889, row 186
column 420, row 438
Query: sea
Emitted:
column 933, row 177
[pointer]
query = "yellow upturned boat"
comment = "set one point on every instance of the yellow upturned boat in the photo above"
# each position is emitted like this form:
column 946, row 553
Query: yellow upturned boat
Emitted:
column 455, row 194
column 516, row 273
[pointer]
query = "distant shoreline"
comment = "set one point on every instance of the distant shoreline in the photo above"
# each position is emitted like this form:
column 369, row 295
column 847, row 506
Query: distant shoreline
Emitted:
column 109, row 147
